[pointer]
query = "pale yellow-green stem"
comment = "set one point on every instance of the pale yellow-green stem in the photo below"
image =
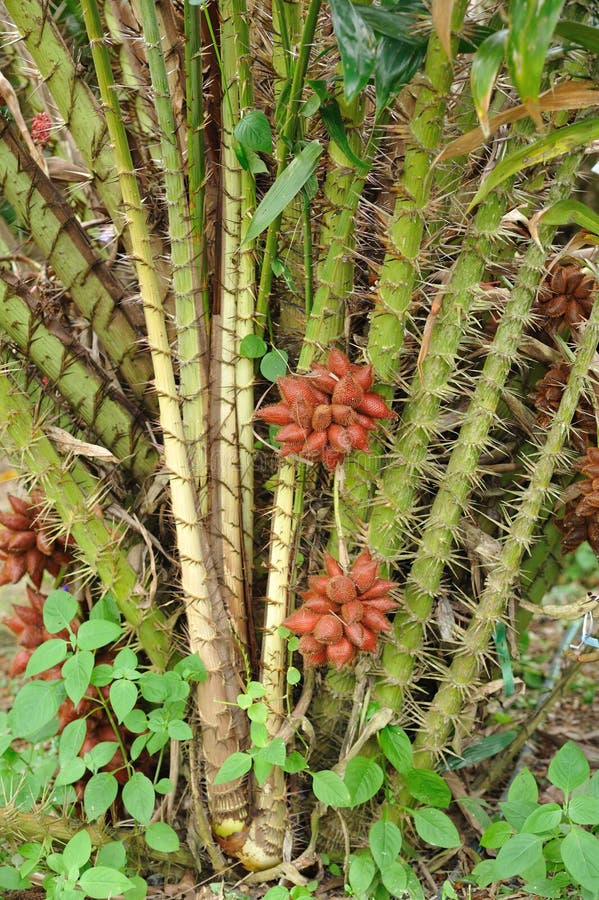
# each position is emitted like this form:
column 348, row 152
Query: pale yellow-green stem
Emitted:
column 224, row 729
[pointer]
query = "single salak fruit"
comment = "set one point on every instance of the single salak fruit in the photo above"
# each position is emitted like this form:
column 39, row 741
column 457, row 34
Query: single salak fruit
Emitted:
column 327, row 413
column 342, row 614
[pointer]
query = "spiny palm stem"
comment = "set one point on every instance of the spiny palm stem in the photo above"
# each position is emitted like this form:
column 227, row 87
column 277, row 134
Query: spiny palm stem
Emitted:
column 73, row 492
column 91, row 395
column 439, row 531
column 464, row 670
column 390, row 520
column 196, row 163
column 66, row 247
column 189, row 319
column 224, row 728
column 400, row 266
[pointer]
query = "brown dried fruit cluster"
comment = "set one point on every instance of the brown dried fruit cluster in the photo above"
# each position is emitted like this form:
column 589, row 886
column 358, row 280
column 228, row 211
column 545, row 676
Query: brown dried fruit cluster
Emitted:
column 566, row 297
column 581, row 519
column 547, row 398
column 327, row 413
column 27, row 623
column 26, row 546
column 342, row 614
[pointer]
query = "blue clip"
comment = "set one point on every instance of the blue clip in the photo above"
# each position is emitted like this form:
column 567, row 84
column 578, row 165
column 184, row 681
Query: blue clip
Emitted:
column 586, row 638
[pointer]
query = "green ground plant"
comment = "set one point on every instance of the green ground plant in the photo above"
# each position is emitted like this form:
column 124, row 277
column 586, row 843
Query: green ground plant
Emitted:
column 369, row 208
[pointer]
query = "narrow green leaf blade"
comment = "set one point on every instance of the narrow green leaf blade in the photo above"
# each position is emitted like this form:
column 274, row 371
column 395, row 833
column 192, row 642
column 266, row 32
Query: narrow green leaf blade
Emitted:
column 567, row 212
column 288, row 184
column 562, row 140
column 485, row 68
column 357, row 46
column 585, row 35
column 531, row 26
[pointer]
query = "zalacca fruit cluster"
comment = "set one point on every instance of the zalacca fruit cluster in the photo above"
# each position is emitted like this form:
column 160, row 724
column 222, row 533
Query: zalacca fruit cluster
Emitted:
column 581, row 519
column 327, row 413
column 26, row 546
column 342, row 614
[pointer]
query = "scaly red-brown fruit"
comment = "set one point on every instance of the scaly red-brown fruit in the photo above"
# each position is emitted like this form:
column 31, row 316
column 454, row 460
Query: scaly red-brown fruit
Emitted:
column 581, row 518
column 328, row 412
column 342, row 614
column 25, row 545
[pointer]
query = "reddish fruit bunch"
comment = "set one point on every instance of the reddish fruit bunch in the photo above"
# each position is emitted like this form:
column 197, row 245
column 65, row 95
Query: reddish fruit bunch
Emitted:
column 327, row 413
column 547, row 398
column 41, row 129
column 342, row 614
column 566, row 297
column 27, row 623
column 26, row 546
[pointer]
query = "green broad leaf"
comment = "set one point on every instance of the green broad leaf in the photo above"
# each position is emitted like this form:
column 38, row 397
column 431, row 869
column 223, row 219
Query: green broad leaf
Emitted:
column 253, row 131
column 99, row 794
column 12, row 880
column 138, row 745
column 102, row 882
column 235, row 766
column 384, row 840
column 106, row 608
column 123, row 697
column 160, row 836
column 256, row 690
column 584, row 810
column 556, row 143
column 191, row 668
column 77, row 673
column 413, row 886
column 397, row 748
column 394, row 878
column 126, row 660
column 363, row 779
column 274, row 364
column 496, row 835
column 569, row 768
column 329, row 788
column 436, row 828
column 179, row 730
column 483, row 74
column 100, row 755
column 545, row 818
column 71, row 740
column 278, row 892
column 396, row 64
column 295, row 762
column 259, row 734
column 136, row 721
column 519, row 854
column 580, row 853
column 97, row 633
column 274, row 752
column 139, row 798
column 333, row 122
column 531, row 26
column 568, row 212
column 428, row 787
column 35, row 706
column 258, row 712
column 244, row 701
column 253, row 347
column 524, row 787
column 60, row 608
column 286, row 187
column 357, row 46
column 549, row 887
column 485, row 873
column 294, row 676
column 46, row 656
column 164, row 786
column 262, row 769
column 362, row 870
column 77, row 851
column 516, row 812
column 112, row 855
column 70, row 772
column 102, row 675
column 586, row 36
column 483, row 749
